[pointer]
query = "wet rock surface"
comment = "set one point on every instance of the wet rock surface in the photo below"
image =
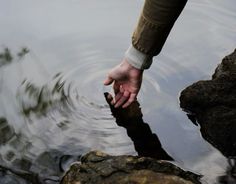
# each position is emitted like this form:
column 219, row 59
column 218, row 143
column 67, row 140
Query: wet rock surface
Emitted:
column 97, row 167
column 212, row 104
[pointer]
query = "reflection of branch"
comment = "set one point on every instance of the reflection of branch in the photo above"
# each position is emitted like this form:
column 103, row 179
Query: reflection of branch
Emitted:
column 145, row 142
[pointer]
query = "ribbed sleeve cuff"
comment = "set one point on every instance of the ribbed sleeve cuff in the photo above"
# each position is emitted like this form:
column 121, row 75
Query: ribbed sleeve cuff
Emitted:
column 138, row 59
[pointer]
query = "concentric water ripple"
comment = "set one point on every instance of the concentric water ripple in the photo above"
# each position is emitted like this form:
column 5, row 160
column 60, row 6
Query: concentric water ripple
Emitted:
column 74, row 102
column 52, row 96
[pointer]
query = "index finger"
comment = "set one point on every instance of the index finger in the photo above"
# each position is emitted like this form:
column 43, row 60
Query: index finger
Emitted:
column 116, row 87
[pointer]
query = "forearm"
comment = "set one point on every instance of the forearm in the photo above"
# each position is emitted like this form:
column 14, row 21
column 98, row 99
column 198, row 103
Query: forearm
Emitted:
column 154, row 26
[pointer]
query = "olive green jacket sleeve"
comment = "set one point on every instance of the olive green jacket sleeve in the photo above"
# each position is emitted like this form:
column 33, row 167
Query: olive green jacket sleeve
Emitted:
column 154, row 26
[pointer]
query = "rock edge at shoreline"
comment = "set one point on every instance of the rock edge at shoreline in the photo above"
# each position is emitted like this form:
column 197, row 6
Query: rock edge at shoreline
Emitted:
column 97, row 167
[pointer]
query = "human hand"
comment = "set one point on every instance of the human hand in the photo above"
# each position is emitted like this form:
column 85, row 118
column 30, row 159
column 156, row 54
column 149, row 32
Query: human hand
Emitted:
column 127, row 82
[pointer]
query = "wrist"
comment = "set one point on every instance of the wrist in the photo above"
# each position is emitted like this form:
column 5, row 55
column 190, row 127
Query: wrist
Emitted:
column 138, row 59
column 130, row 69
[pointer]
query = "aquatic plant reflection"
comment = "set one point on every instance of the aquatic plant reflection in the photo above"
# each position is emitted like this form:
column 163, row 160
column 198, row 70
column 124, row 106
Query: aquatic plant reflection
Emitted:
column 40, row 100
column 9, row 156
column 19, row 165
column 7, row 57
column 23, row 52
column 6, row 131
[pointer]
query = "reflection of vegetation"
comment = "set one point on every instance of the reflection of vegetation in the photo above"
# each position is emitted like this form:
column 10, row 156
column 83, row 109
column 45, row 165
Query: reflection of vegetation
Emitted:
column 45, row 98
column 23, row 52
column 63, row 124
column 28, row 176
column 8, row 136
column 6, row 132
column 51, row 163
column 6, row 56
column 19, row 164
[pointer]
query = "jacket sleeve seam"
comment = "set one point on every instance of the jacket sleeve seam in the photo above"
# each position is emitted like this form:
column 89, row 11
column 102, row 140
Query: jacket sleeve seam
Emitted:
column 153, row 25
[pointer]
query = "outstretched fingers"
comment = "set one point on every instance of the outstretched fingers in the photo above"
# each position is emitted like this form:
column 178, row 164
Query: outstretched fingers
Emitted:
column 131, row 99
column 117, row 98
column 123, row 99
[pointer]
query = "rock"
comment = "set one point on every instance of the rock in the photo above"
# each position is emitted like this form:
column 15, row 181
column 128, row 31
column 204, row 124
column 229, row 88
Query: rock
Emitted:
column 100, row 168
column 212, row 104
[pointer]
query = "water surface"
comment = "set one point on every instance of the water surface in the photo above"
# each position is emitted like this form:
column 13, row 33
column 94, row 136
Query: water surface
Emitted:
column 52, row 106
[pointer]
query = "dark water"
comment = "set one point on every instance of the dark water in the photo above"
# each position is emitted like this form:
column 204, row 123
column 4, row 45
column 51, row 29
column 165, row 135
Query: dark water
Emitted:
column 54, row 56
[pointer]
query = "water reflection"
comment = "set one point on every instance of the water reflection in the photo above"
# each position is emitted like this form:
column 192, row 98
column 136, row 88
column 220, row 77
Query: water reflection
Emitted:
column 9, row 175
column 225, row 145
column 41, row 99
column 211, row 104
column 6, row 56
column 230, row 175
column 23, row 52
column 6, row 131
column 51, row 116
column 20, row 172
column 58, row 116
column 19, row 162
column 145, row 142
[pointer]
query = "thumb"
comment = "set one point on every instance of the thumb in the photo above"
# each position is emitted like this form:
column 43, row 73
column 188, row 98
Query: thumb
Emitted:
column 108, row 81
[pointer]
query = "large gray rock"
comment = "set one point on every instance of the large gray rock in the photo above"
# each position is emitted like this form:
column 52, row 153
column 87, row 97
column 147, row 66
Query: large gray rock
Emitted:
column 212, row 104
column 100, row 168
